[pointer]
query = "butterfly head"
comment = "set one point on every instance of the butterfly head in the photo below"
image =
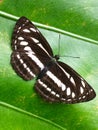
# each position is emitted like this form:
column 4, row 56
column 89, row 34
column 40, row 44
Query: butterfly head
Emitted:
column 57, row 57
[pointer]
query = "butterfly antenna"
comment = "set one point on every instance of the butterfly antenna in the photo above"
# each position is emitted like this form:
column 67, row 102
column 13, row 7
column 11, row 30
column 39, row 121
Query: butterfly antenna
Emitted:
column 59, row 45
column 59, row 49
column 70, row 56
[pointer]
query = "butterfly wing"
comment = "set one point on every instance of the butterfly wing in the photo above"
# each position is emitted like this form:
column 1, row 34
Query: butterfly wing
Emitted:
column 31, row 51
column 62, row 84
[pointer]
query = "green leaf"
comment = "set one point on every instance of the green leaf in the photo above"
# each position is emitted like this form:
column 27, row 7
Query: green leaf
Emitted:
column 19, row 93
column 25, row 120
column 78, row 16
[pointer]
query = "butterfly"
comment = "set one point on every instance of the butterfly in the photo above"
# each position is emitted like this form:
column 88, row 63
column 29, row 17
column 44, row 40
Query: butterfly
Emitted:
column 32, row 57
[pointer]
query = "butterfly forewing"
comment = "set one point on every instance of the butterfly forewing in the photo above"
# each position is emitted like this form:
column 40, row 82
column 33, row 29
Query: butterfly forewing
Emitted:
column 32, row 56
column 25, row 32
column 62, row 84
column 31, row 50
column 82, row 90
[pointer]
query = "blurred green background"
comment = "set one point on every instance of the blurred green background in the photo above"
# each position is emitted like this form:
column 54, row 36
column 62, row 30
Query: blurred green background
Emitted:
column 20, row 107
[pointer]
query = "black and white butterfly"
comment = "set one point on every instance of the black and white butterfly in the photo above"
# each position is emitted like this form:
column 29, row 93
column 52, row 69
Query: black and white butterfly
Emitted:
column 32, row 56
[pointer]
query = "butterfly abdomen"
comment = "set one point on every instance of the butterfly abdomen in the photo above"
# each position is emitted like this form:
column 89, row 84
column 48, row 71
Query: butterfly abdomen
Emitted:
column 46, row 68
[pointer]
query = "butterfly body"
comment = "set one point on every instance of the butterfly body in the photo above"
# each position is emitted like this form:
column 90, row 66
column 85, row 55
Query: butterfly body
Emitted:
column 32, row 56
column 46, row 68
